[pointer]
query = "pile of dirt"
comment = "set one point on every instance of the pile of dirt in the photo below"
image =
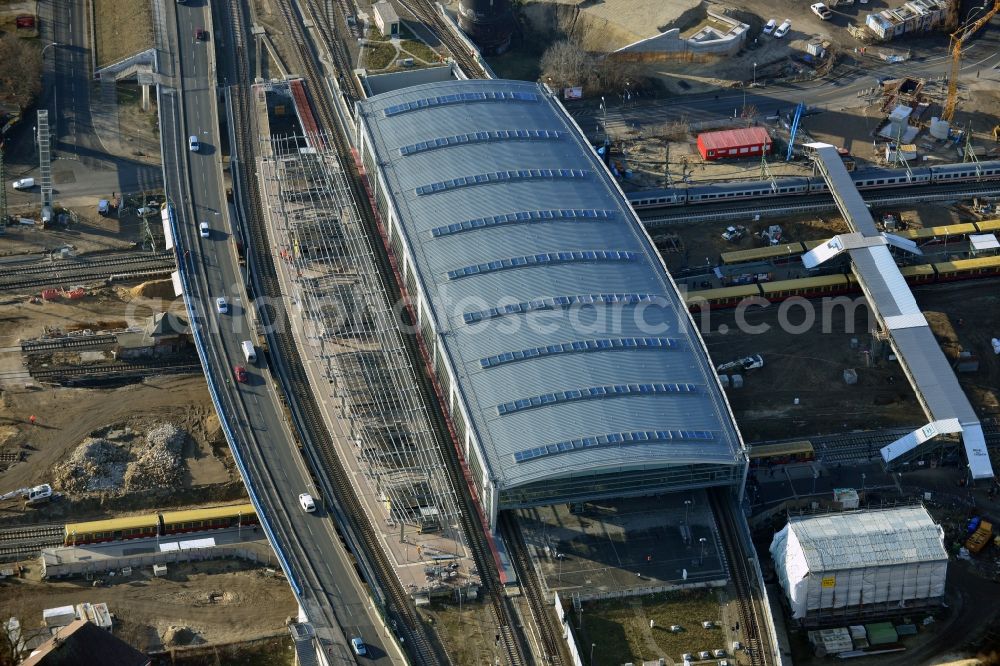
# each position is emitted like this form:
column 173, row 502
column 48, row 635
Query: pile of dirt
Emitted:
column 154, row 289
column 118, row 461
column 175, row 636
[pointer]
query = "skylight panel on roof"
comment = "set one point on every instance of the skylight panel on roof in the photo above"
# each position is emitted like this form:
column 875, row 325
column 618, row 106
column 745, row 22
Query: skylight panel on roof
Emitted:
column 458, row 98
column 502, row 176
column 555, row 302
column 542, row 259
column 573, row 395
column 614, row 439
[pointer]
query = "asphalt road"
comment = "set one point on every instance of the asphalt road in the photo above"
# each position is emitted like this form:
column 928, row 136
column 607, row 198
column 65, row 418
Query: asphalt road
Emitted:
column 331, row 594
column 981, row 56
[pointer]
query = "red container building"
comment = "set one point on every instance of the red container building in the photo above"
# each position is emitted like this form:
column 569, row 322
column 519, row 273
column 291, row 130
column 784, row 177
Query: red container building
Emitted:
column 734, row 143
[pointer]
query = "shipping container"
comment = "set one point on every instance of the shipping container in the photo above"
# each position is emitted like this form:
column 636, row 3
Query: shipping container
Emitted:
column 748, row 142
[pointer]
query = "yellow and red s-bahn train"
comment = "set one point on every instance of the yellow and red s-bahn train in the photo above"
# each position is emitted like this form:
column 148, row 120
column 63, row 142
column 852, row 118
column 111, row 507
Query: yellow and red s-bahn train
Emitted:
column 834, row 285
column 781, row 453
column 161, row 524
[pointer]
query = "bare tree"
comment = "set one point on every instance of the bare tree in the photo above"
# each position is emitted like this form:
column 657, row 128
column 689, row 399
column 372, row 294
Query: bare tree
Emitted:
column 20, row 70
column 565, row 63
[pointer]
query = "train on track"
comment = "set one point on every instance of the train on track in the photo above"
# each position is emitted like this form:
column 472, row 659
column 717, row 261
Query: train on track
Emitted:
column 161, row 524
column 868, row 179
column 840, row 283
column 781, row 453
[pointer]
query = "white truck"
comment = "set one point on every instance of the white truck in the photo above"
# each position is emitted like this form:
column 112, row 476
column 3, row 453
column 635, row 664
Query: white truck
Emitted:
column 249, row 352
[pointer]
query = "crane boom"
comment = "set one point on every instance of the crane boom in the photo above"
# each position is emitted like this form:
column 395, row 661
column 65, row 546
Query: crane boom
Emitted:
column 957, row 41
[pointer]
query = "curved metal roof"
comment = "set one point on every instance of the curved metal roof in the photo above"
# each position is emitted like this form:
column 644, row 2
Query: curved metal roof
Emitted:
column 572, row 349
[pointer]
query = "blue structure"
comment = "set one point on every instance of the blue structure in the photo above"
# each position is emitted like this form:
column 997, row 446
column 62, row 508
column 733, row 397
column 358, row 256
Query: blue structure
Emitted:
column 570, row 365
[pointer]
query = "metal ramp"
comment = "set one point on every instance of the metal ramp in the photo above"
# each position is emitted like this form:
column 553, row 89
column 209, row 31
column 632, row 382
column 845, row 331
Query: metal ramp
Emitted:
column 947, row 408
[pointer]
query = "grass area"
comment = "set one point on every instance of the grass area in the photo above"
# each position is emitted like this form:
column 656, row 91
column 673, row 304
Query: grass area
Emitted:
column 467, row 635
column 419, row 50
column 270, row 652
column 379, row 55
column 122, row 28
column 620, row 631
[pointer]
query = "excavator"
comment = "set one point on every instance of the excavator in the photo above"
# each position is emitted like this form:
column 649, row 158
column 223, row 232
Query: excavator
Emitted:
column 32, row 496
column 957, row 41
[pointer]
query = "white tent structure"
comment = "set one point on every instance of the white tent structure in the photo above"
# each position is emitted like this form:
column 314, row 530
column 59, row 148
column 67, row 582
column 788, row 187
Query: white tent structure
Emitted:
column 860, row 562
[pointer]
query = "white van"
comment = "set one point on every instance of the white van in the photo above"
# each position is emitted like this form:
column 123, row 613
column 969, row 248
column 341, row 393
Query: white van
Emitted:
column 23, row 184
column 249, row 352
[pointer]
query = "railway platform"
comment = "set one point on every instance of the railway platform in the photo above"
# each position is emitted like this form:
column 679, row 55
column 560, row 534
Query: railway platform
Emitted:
column 626, row 547
column 344, row 331
column 108, row 559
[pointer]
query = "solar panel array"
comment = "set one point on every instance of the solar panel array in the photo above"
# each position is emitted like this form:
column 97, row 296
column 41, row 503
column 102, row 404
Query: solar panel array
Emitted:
column 500, row 177
column 613, row 439
column 591, row 393
column 544, row 258
column 479, row 137
column 460, row 98
column 559, row 302
column 599, row 344
column 524, row 217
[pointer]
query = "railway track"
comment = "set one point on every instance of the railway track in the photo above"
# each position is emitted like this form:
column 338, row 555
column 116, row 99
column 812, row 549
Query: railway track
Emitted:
column 656, row 218
column 67, row 273
column 22, row 542
column 752, row 615
column 61, row 344
column 511, row 635
column 426, row 11
column 119, row 370
column 518, row 551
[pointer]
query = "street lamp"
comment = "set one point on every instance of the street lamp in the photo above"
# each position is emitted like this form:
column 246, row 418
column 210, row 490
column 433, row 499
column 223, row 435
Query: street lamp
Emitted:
column 862, row 481
column 702, row 541
column 755, row 75
column 687, row 507
column 592, row 646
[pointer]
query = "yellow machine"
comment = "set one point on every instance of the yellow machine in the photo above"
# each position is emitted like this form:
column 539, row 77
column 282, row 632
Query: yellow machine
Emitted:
column 957, row 41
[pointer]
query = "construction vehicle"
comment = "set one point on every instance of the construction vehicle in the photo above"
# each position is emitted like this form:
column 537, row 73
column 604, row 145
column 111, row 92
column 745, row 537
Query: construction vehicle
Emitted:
column 980, row 538
column 957, row 41
column 32, row 496
column 734, row 234
column 744, row 364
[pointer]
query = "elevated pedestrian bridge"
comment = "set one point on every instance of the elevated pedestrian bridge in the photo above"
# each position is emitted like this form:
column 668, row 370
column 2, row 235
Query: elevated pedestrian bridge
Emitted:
column 945, row 404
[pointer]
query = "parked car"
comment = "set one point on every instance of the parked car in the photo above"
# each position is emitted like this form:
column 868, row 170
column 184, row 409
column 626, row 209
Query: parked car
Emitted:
column 783, row 29
column 770, row 26
column 822, row 11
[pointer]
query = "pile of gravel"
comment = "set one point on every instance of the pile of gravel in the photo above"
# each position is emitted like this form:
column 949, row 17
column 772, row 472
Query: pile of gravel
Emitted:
column 123, row 461
column 159, row 464
column 96, row 465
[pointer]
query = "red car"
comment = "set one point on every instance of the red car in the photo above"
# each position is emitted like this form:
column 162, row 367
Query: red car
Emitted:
column 200, row 34
column 241, row 374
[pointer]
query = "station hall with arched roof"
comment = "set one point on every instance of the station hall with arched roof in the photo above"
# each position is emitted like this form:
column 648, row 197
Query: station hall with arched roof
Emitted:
column 570, row 366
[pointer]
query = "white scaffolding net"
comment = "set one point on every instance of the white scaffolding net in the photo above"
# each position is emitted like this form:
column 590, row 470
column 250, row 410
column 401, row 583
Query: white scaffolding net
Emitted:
column 352, row 334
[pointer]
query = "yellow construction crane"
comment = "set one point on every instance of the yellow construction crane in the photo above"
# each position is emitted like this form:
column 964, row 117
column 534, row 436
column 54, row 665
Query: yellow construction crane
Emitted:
column 957, row 41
